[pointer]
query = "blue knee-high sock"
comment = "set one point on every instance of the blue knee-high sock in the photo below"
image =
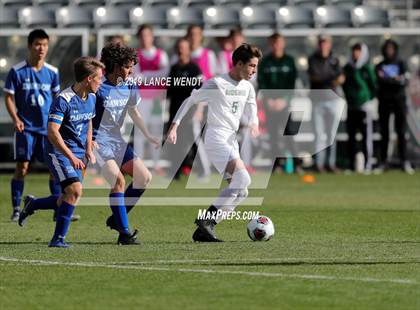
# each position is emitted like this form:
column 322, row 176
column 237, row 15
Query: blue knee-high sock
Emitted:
column 55, row 188
column 64, row 214
column 119, row 211
column 17, row 190
column 132, row 195
column 47, row 203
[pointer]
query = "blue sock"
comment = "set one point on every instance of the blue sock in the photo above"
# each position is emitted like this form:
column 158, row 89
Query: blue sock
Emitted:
column 64, row 214
column 55, row 188
column 119, row 211
column 17, row 190
column 132, row 195
column 47, row 203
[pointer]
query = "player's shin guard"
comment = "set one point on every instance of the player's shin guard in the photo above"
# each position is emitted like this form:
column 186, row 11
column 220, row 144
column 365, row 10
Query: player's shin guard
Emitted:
column 64, row 214
column 55, row 188
column 17, row 190
column 132, row 195
column 119, row 211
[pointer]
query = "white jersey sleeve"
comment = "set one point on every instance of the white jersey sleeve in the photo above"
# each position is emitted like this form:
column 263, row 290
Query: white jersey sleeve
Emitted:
column 250, row 110
column 201, row 95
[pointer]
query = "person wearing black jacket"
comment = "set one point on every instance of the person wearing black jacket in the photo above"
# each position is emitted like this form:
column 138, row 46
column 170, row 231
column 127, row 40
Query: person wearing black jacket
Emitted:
column 325, row 73
column 391, row 73
column 176, row 95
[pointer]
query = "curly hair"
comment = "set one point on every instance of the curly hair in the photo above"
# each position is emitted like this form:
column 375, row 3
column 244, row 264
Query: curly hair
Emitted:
column 117, row 54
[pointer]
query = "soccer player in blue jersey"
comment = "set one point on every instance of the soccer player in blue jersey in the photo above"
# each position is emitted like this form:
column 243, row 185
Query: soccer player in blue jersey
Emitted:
column 115, row 156
column 69, row 144
column 29, row 90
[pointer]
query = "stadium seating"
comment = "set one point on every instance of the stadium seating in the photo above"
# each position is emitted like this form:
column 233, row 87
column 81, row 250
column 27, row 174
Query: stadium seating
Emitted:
column 36, row 16
column 125, row 3
column 73, row 17
column 217, row 17
column 269, row 3
column 111, row 17
column 88, row 3
column 332, row 16
column 197, row 3
column 180, row 18
column 161, row 3
column 51, row 3
column 363, row 16
column 153, row 16
column 257, row 17
column 8, row 18
column 306, row 3
column 294, row 17
column 344, row 3
column 15, row 3
column 232, row 3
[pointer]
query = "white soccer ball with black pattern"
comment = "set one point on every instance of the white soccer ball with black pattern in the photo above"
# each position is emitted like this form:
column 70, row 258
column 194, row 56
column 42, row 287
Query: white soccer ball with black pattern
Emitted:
column 260, row 228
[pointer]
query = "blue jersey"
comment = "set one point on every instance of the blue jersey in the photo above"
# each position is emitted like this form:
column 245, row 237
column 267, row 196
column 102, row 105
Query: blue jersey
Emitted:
column 111, row 109
column 33, row 91
column 74, row 115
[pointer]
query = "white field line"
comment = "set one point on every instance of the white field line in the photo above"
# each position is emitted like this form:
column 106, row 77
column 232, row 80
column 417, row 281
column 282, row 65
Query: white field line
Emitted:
column 207, row 271
column 274, row 260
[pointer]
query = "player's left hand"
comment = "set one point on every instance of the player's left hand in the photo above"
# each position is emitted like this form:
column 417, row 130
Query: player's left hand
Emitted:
column 91, row 157
column 255, row 132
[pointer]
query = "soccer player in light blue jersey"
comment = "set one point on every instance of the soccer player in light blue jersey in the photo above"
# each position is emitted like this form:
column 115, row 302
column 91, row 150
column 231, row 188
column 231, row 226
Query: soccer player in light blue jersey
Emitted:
column 115, row 99
column 29, row 90
column 69, row 145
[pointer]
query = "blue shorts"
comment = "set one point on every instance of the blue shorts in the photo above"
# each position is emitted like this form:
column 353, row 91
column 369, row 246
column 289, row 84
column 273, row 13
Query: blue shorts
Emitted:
column 121, row 152
column 28, row 145
column 60, row 166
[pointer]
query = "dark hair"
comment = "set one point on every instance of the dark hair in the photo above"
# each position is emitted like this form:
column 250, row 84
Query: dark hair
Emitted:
column 356, row 46
column 275, row 36
column 179, row 42
column 191, row 27
column 143, row 27
column 245, row 53
column 37, row 34
column 117, row 55
column 391, row 42
column 235, row 32
column 85, row 66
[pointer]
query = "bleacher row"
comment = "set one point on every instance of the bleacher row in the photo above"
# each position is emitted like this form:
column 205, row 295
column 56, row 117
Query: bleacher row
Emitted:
column 178, row 14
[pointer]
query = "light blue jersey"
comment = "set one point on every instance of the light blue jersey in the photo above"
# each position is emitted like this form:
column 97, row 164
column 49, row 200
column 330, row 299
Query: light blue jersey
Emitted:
column 33, row 92
column 111, row 109
column 74, row 115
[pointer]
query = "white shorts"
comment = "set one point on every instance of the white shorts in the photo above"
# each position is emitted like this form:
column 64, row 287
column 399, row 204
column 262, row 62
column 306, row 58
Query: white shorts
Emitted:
column 221, row 146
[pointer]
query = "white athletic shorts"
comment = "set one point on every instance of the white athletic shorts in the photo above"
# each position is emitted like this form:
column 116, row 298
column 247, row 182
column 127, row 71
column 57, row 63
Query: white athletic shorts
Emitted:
column 221, row 146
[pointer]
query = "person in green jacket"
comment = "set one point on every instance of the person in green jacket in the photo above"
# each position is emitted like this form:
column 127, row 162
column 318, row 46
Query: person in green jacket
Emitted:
column 276, row 80
column 360, row 88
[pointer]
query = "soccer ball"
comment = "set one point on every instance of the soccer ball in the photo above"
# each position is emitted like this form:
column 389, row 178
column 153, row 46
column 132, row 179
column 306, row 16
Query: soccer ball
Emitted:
column 260, row 229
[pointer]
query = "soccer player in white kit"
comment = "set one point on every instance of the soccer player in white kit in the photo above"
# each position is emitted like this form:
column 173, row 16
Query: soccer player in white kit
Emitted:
column 228, row 96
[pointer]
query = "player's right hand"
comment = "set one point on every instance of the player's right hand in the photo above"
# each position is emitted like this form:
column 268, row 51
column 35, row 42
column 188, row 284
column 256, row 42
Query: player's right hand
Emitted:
column 77, row 163
column 171, row 138
column 19, row 125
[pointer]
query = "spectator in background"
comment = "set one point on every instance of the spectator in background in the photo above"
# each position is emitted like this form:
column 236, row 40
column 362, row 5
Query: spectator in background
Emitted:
column 229, row 44
column 359, row 89
column 325, row 73
column 392, row 80
column 153, row 62
column 176, row 96
column 277, row 72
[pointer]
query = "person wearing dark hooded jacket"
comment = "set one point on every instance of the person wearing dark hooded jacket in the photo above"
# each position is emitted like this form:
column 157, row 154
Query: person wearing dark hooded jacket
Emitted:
column 392, row 80
column 360, row 88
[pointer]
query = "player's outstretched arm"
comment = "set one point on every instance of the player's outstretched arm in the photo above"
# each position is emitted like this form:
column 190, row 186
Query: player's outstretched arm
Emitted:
column 139, row 122
column 57, row 141
column 11, row 108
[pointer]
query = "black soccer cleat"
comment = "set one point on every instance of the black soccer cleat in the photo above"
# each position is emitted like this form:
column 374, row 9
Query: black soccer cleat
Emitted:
column 205, row 231
column 128, row 239
column 26, row 211
column 110, row 222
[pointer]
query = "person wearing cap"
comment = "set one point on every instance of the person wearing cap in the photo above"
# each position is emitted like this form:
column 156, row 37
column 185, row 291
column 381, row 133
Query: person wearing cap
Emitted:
column 325, row 73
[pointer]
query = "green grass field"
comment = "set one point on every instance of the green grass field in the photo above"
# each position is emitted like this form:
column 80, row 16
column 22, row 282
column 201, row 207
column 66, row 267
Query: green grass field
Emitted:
column 345, row 242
